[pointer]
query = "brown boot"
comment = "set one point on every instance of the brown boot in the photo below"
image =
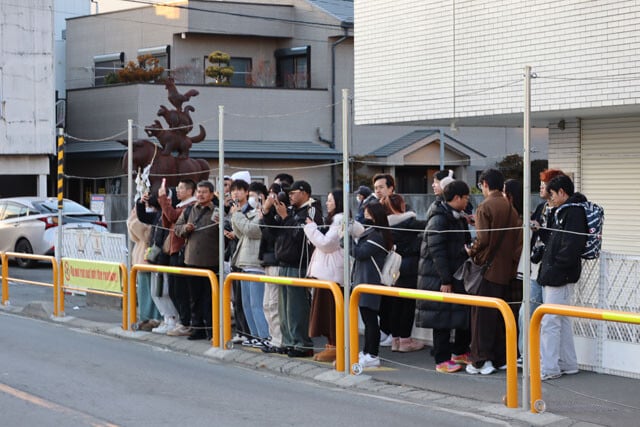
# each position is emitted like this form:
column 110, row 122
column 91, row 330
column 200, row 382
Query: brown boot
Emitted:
column 409, row 344
column 327, row 355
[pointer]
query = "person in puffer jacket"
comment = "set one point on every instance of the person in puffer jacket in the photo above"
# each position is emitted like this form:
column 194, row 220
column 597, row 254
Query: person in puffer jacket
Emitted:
column 560, row 267
column 441, row 254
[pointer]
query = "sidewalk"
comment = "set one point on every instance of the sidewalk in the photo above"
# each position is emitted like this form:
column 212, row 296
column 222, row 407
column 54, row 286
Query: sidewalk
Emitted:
column 584, row 399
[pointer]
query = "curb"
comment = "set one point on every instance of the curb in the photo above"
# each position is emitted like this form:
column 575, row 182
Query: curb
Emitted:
column 306, row 369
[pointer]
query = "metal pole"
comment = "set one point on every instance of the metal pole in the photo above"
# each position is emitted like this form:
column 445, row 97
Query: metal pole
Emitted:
column 346, row 199
column 441, row 149
column 526, row 234
column 221, row 210
column 129, row 185
column 58, row 248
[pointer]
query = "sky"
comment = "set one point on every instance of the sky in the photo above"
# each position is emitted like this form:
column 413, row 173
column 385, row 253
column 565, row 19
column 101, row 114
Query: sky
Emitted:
column 111, row 5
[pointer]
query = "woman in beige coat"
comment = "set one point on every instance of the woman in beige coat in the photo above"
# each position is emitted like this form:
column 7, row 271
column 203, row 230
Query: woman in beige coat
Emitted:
column 139, row 233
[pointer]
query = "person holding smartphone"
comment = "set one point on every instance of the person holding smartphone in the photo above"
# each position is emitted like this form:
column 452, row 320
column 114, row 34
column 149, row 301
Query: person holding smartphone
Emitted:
column 293, row 251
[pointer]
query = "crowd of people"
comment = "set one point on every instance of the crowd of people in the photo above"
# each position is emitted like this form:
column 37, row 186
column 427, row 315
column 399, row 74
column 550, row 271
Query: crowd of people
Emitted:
column 283, row 231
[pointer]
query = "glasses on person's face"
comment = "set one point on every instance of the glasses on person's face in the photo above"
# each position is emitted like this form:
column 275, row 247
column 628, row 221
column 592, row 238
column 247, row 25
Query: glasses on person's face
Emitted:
column 479, row 185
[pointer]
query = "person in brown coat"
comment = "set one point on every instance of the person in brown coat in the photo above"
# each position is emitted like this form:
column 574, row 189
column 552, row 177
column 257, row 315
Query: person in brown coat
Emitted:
column 498, row 242
column 178, row 284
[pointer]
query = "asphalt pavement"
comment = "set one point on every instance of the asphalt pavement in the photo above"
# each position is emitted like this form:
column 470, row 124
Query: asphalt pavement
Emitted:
column 587, row 398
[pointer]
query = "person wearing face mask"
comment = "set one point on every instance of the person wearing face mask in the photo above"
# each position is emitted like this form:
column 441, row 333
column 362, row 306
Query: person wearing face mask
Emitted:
column 245, row 222
column 441, row 253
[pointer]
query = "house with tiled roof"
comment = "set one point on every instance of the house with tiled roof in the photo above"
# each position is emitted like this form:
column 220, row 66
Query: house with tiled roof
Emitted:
column 282, row 108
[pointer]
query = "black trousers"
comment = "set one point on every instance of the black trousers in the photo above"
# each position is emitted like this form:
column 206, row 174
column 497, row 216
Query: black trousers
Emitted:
column 242, row 327
column 403, row 311
column 443, row 347
column 179, row 291
column 200, row 299
column 371, row 331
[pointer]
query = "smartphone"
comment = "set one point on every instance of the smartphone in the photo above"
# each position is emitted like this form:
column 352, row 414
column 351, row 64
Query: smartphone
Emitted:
column 312, row 213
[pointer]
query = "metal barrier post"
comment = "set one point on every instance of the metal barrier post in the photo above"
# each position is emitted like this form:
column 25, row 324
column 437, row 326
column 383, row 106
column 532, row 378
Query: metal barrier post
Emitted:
column 286, row 281
column 5, row 274
column 184, row 271
column 511, row 397
column 5, row 278
column 537, row 404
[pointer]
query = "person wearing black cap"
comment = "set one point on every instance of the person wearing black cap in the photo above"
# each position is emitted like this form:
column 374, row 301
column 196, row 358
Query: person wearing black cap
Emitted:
column 293, row 251
column 363, row 193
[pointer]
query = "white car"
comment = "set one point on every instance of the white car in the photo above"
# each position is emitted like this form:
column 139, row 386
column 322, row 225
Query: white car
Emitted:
column 29, row 224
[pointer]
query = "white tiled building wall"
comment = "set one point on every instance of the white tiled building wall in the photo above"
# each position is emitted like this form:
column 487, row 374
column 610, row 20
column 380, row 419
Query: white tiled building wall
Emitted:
column 584, row 54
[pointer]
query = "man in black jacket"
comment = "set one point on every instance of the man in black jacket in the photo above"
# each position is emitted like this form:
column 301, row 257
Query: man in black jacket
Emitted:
column 560, row 267
column 441, row 254
column 293, row 252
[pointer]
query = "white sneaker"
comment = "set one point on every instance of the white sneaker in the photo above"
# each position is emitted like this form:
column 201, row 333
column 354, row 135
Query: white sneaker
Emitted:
column 547, row 377
column 486, row 369
column 368, row 361
column 385, row 340
column 179, row 331
column 569, row 371
column 237, row 339
column 163, row 328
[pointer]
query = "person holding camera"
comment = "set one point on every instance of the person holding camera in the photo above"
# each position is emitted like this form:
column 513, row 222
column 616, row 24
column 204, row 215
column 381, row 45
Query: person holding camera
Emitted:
column 245, row 221
column 293, row 251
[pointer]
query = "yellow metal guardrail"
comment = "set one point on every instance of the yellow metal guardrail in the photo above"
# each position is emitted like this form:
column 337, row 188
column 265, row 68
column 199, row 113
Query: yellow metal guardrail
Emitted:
column 537, row 404
column 4, row 256
column 183, row 271
column 287, row 281
column 61, row 287
column 511, row 398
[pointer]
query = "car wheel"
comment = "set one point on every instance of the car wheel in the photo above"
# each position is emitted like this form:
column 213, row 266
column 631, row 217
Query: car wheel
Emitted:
column 24, row 246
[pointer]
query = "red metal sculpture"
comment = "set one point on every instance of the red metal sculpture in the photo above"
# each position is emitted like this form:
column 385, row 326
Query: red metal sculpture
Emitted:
column 154, row 161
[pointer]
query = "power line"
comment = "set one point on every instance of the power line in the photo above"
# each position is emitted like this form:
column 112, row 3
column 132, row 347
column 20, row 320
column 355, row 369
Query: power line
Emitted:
column 237, row 14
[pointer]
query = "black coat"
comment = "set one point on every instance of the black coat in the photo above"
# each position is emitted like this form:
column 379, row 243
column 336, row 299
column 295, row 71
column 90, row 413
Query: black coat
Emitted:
column 364, row 271
column 292, row 248
column 440, row 256
column 561, row 263
column 408, row 245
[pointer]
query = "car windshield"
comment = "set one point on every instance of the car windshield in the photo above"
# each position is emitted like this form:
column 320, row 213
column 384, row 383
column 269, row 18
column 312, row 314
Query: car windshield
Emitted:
column 70, row 207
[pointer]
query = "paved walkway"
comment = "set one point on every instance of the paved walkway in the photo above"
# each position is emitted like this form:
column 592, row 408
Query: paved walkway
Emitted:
column 578, row 400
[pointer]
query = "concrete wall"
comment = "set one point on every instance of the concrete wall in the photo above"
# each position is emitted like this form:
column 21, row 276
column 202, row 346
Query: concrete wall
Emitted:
column 425, row 64
column 26, row 78
column 258, row 114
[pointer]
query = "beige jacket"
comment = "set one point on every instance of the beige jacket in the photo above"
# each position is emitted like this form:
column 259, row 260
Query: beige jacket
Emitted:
column 140, row 233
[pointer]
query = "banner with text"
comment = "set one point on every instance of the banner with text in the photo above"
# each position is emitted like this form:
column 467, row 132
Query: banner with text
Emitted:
column 104, row 276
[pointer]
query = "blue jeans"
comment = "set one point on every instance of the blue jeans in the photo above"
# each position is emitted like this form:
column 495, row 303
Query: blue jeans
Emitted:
column 252, row 299
column 146, row 308
column 535, row 299
column 557, row 349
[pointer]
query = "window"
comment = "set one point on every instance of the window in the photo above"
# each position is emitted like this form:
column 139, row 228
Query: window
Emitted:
column 293, row 67
column 104, row 65
column 14, row 211
column 162, row 54
column 241, row 71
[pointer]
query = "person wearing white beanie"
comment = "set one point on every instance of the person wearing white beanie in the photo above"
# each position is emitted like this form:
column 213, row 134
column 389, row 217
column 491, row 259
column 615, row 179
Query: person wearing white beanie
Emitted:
column 243, row 175
column 446, row 181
